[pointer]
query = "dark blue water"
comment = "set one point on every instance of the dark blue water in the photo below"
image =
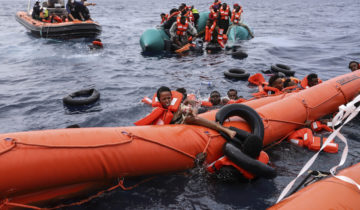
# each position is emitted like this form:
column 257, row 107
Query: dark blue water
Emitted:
column 311, row 36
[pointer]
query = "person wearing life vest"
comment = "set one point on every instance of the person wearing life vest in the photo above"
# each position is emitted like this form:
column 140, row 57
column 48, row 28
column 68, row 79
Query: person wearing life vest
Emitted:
column 170, row 110
column 224, row 17
column 214, row 14
column 96, row 44
column 210, row 31
column 290, row 86
column 216, row 4
column 310, row 80
column 54, row 18
column 236, row 18
column 171, row 19
column 214, row 102
column 196, row 15
column 179, row 33
column 164, row 17
column 274, row 88
column 44, row 15
column 353, row 66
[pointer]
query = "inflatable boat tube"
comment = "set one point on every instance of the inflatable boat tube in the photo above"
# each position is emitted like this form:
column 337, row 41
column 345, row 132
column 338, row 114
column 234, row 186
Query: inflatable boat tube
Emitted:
column 239, row 74
column 247, row 163
column 283, row 68
column 91, row 95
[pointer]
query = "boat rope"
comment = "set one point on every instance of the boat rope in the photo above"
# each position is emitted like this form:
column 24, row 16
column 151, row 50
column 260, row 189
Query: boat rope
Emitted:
column 346, row 113
column 119, row 184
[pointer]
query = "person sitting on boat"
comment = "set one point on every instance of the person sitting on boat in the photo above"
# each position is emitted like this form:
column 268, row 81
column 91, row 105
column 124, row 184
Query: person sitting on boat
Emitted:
column 164, row 18
column 310, row 80
column 179, row 33
column 224, row 17
column 353, row 66
column 171, row 19
column 216, row 4
column 236, row 19
column 196, row 15
column 36, row 11
column 44, row 15
column 170, row 110
column 214, row 15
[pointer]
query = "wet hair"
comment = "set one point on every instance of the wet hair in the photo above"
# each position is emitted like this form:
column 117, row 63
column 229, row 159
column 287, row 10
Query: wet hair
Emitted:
column 287, row 83
column 353, row 62
column 162, row 14
column 312, row 76
column 162, row 89
column 181, row 7
column 231, row 90
column 181, row 90
column 173, row 10
column 213, row 92
column 273, row 78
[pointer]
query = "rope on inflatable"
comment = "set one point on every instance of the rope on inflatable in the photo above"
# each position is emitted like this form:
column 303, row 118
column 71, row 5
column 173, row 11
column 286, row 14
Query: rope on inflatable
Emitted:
column 346, row 114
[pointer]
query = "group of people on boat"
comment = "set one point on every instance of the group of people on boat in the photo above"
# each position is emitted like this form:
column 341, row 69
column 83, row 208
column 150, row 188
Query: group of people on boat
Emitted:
column 181, row 23
column 73, row 11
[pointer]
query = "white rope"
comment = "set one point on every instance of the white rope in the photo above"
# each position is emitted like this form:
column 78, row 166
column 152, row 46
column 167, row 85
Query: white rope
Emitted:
column 346, row 113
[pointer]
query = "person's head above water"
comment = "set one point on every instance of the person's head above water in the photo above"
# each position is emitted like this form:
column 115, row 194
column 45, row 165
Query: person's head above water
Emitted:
column 232, row 94
column 164, row 96
column 353, row 65
column 183, row 92
column 215, row 98
column 276, row 82
column 312, row 79
column 289, row 83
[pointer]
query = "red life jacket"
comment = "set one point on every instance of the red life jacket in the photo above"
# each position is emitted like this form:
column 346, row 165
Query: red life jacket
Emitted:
column 190, row 16
column 305, row 138
column 213, row 15
column 235, row 16
column 224, row 161
column 304, row 83
column 182, row 28
column 160, row 115
column 56, row 19
column 97, row 43
column 224, row 14
column 206, row 104
column 209, row 32
column 257, row 79
column 165, row 18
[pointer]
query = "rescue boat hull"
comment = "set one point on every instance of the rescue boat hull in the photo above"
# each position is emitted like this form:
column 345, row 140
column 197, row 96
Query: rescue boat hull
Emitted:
column 66, row 30
column 54, row 159
column 236, row 34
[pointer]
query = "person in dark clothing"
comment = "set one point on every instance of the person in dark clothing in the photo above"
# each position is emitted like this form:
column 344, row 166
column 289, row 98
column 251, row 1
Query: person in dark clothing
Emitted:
column 172, row 18
column 36, row 11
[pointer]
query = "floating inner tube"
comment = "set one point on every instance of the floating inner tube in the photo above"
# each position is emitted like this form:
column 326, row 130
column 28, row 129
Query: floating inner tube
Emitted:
column 283, row 68
column 245, row 112
column 247, row 163
column 88, row 96
column 239, row 55
column 240, row 74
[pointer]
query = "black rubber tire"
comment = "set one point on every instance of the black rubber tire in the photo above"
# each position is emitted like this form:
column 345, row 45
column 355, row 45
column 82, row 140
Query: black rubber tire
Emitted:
column 239, row 74
column 245, row 112
column 91, row 94
column 247, row 163
column 213, row 48
column 239, row 55
column 283, row 68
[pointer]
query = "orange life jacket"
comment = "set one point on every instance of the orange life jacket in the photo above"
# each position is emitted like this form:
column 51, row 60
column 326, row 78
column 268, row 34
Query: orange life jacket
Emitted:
column 182, row 28
column 221, row 38
column 174, row 14
column 257, row 79
column 224, row 161
column 268, row 90
column 304, row 83
column 305, row 138
column 97, row 43
column 238, row 101
column 56, row 18
column 215, row 3
column 190, row 16
column 206, row 103
column 317, row 126
column 235, row 16
column 213, row 15
column 165, row 18
column 160, row 115
column 146, row 100
column 294, row 88
column 224, row 14
column 209, row 32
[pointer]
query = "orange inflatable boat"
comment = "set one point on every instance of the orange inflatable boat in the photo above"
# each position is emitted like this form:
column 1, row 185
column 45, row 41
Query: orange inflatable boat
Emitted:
column 38, row 167
column 330, row 193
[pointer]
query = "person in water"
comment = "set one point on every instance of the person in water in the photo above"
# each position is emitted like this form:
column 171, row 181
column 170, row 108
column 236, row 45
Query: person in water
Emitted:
column 232, row 94
column 310, row 81
column 276, row 81
column 183, row 114
column 353, row 66
column 179, row 33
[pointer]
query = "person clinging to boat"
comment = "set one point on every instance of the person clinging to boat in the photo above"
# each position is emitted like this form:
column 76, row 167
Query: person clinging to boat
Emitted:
column 179, row 32
column 236, row 19
column 353, row 66
column 310, row 81
column 171, row 110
